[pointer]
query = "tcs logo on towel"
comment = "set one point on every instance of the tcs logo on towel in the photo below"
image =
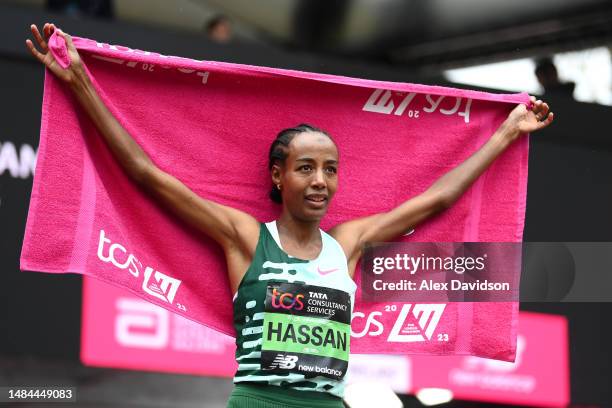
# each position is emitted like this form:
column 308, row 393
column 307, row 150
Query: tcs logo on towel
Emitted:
column 154, row 283
column 287, row 300
column 155, row 61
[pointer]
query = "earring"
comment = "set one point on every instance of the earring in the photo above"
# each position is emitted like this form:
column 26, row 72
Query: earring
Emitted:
column 278, row 186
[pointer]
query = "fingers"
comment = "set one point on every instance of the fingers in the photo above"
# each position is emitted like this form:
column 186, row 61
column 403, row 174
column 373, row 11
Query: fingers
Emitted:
column 42, row 43
column 537, row 109
column 48, row 30
column 547, row 121
column 66, row 37
column 545, row 109
column 540, row 109
column 537, row 105
column 34, row 51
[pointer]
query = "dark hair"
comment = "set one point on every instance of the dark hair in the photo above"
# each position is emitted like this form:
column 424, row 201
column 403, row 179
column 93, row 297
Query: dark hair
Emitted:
column 280, row 149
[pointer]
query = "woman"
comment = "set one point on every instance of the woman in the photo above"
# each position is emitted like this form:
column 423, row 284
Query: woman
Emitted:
column 303, row 165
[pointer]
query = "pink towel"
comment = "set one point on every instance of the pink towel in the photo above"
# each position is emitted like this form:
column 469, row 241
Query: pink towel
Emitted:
column 210, row 124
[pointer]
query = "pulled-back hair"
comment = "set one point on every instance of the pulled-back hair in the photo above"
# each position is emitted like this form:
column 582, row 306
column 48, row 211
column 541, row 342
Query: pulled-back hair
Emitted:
column 279, row 150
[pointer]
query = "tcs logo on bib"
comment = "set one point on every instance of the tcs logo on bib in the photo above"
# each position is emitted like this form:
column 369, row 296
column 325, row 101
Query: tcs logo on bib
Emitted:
column 287, row 300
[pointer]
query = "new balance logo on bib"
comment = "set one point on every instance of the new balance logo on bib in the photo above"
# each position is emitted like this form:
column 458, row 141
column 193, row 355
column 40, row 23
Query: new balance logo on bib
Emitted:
column 284, row 361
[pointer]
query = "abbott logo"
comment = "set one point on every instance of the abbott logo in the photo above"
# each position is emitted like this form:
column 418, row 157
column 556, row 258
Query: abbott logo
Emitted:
column 427, row 315
column 161, row 286
column 284, row 361
column 141, row 324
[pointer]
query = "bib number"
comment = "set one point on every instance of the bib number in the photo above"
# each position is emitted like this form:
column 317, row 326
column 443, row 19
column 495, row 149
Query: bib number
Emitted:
column 306, row 330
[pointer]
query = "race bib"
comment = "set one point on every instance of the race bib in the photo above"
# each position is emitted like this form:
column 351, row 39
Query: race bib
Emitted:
column 306, row 330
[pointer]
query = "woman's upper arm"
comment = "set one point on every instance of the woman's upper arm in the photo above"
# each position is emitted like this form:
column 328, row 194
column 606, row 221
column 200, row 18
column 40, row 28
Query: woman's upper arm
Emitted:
column 353, row 235
column 226, row 225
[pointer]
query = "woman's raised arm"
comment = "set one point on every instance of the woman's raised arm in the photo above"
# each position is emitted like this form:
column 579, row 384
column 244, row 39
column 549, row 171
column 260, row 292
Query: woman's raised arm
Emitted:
column 443, row 193
column 228, row 226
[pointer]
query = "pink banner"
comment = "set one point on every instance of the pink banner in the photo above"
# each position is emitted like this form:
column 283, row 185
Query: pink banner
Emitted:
column 539, row 377
column 121, row 330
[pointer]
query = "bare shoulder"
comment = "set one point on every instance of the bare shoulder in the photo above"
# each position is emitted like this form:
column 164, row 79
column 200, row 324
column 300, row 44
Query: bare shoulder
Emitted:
column 350, row 237
column 349, row 233
column 240, row 251
column 343, row 233
column 245, row 232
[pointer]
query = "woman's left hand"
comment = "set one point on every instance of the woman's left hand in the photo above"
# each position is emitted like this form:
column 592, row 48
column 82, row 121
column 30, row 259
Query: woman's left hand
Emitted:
column 522, row 120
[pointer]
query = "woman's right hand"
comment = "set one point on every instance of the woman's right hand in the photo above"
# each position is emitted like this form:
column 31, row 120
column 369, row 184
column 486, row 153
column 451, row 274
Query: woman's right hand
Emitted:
column 69, row 75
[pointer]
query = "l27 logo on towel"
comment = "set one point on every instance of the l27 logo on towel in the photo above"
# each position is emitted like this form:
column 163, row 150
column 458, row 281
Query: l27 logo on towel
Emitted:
column 383, row 101
column 161, row 286
column 414, row 323
column 154, row 282
column 427, row 315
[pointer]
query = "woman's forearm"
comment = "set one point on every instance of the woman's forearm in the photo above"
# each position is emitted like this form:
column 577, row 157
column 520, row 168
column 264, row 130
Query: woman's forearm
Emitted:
column 520, row 121
column 126, row 151
column 453, row 184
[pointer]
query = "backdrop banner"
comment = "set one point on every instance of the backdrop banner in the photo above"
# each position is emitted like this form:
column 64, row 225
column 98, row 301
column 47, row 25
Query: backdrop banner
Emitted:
column 121, row 330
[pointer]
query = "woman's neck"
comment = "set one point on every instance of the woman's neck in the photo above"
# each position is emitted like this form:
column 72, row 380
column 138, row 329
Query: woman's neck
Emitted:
column 300, row 233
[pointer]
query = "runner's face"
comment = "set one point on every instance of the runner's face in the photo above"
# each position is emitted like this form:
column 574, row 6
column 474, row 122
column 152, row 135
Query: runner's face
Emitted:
column 309, row 176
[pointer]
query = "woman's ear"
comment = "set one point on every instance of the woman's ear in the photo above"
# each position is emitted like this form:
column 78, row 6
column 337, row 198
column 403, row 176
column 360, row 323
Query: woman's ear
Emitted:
column 276, row 174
